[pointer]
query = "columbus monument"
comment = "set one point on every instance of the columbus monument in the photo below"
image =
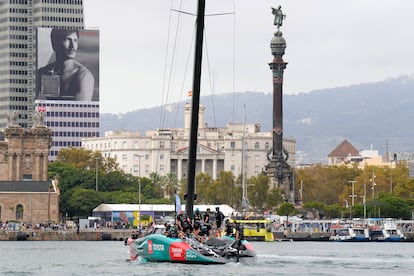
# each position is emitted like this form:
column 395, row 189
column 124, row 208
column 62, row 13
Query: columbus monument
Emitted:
column 278, row 170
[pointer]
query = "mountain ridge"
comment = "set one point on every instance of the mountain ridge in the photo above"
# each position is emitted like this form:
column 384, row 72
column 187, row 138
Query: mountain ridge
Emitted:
column 365, row 114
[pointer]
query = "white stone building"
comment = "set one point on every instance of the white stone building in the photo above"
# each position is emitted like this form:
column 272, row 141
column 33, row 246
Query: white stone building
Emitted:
column 166, row 150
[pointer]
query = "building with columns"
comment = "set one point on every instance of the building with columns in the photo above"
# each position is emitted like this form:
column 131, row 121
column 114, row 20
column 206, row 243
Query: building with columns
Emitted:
column 26, row 193
column 228, row 148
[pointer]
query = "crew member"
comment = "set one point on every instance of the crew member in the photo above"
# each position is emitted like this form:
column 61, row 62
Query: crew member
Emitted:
column 184, row 223
column 197, row 216
column 206, row 223
column 196, row 233
column 219, row 220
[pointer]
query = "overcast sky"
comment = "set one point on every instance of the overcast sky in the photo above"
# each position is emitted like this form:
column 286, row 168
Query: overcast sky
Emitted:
column 146, row 60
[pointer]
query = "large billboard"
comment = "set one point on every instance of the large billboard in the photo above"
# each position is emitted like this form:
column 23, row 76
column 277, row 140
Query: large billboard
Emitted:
column 67, row 65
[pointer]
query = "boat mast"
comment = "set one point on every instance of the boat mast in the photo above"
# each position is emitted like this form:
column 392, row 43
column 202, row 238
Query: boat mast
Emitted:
column 192, row 155
column 245, row 201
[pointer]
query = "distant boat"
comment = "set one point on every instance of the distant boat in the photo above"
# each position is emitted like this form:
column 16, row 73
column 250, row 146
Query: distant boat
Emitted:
column 349, row 233
column 391, row 231
column 384, row 230
column 255, row 227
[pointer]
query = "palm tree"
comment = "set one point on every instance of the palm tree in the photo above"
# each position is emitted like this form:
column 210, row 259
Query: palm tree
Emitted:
column 157, row 182
column 170, row 183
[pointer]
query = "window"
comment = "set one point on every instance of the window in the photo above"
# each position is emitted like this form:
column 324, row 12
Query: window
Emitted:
column 233, row 156
column 124, row 145
column 256, row 145
column 136, row 169
column 0, row 212
column 162, row 144
column 124, row 157
column 136, row 145
column 232, row 168
column 146, row 156
column 162, row 156
column 256, row 169
column 19, row 212
column 161, row 168
column 267, row 145
column 232, row 145
column 256, row 157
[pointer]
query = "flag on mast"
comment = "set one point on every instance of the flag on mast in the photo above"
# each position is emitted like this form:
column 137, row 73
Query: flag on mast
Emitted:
column 177, row 203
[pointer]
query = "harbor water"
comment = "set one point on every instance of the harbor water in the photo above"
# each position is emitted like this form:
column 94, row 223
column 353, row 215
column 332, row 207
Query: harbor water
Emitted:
column 274, row 258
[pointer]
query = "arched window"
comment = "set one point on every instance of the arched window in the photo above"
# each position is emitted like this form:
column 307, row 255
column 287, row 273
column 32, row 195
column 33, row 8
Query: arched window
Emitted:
column 136, row 145
column 267, row 145
column 124, row 145
column 256, row 145
column 19, row 211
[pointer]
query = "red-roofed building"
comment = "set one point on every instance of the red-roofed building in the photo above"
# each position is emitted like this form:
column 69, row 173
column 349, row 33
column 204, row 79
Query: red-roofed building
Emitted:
column 342, row 153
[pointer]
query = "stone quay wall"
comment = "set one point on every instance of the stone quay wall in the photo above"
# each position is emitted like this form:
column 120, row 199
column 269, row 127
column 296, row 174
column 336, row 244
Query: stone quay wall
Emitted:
column 115, row 235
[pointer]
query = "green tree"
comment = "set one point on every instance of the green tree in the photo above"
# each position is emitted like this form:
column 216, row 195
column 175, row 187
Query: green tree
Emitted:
column 286, row 209
column 257, row 191
column 114, row 181
column 170, row 185
column 86, row 159
column 157, row 182
column 394, row 207
column 204, row 188
column 274, row 198
column 82, row 201
column 333, row 210
column 313, row 209
column 119, row 197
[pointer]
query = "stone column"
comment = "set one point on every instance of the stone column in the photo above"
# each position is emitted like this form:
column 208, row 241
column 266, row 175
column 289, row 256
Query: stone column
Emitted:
column 11, row 166
column 18, row 167
column 179, row 168
column 215, row 168
column 44, row 173
column 36, row 167
column 203, row 165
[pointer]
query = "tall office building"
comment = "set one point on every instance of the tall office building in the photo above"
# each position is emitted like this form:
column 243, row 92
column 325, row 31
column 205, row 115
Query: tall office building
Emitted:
column 25, row 46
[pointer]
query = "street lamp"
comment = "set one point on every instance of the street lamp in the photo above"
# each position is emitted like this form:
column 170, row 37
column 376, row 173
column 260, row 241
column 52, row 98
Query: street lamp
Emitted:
column 365, row 189
column 347, row 206
column 96, row 173
column 352, row 196
column 353, row 191
column 373, row 184
column 391, row 175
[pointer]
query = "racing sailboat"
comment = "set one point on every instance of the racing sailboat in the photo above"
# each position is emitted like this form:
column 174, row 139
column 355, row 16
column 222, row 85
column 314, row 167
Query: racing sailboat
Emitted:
column 157, row 247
